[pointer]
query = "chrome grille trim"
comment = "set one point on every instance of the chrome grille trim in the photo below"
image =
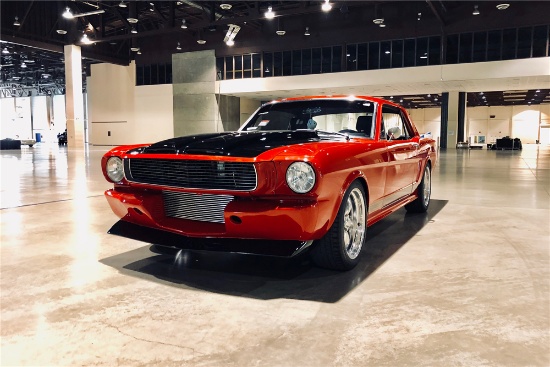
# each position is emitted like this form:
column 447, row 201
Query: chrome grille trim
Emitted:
column 204, row 208
column 193, row 174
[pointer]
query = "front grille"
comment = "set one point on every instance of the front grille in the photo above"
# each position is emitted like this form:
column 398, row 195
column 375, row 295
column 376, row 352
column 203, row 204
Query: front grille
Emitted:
column 213, row 175
column 204, row 208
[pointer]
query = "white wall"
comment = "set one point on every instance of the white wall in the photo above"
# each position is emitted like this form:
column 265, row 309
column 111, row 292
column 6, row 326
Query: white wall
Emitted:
column 121, row 113
column 59, row 117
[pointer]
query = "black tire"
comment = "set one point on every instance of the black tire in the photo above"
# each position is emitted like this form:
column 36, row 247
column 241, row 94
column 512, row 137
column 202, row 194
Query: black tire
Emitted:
column 422, row 202
column 337, row 249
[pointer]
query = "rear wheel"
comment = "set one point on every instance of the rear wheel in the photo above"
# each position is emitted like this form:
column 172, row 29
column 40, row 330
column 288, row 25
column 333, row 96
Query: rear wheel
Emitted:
column 420, row 205
column 340, row 248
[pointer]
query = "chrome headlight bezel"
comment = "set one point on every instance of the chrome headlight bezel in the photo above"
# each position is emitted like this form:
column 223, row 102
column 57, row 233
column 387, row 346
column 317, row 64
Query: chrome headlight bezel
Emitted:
column 300, row 177
column 115, row 169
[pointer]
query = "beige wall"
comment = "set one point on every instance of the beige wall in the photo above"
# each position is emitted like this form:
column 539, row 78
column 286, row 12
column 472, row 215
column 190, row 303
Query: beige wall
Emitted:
column 248, row 107
column 427, row 120
column 121, row 113
column 521, row 122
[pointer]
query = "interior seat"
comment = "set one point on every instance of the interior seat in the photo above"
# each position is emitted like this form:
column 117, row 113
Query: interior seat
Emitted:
column 364, row 125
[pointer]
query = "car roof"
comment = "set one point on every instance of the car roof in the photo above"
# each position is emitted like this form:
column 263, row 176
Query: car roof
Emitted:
column 342, row 96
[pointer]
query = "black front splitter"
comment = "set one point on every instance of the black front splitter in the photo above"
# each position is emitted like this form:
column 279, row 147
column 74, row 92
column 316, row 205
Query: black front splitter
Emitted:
column 283, row 248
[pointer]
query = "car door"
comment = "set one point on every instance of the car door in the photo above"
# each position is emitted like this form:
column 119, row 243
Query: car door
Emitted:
column 402, row 150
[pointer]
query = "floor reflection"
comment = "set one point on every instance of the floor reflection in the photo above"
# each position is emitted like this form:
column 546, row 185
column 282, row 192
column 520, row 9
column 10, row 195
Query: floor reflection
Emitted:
column 269, row 277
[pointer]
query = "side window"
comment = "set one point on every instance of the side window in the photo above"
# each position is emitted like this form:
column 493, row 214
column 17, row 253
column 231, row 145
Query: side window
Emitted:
column 393, row 124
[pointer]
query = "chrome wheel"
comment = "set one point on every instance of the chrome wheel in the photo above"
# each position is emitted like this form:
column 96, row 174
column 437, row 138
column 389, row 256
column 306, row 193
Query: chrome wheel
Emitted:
column 424, row 192
column 354, row 223
column 427, row 189
column 341, row 247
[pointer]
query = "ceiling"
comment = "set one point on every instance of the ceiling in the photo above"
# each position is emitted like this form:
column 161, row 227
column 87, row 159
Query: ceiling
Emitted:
column 32, row 52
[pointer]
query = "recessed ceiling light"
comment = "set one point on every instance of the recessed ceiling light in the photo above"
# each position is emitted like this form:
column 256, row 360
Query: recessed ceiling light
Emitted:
column 132, row 20
column 61, row 31
column 135, row 49
column 476, row 10
column 201, row 42
column 306, row 33
column 326, row 6
column 183, row 24
column 122, row 4
column 503, row 6
column 225, row 6
column 281, row 32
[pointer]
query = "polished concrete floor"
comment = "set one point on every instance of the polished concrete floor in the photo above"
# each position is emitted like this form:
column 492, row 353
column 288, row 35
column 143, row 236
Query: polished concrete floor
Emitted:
column 468, row 284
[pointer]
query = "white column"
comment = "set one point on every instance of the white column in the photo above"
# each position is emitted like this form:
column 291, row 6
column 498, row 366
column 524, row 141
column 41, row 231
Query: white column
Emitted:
column 74, row 103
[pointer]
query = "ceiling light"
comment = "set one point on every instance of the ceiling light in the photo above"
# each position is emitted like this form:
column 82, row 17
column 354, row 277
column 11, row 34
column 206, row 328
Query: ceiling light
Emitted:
column 134, row 30
column 132, row 20
column 5, row 51
column 16, row 22
column 23, row 65
column 307, row 32
column 134, row 48
column 67, row 14
column 61, row 31
column 183, row 24
column 178, row 47
column 269, row 14
column 326, row 6
column 280, row 32
column 419, row 16
column 225, row 6
column 122, row 4
column 476, row 10
column 538, row 90
column 85, row 39
column 139, row 52
column 387, row 52
column 200, row 41
column 378, row 21
column 425, row 56
column 503, row 6
column 229, row 38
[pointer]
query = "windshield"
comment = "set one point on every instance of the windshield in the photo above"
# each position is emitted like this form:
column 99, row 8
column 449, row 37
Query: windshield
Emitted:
column 353, row 117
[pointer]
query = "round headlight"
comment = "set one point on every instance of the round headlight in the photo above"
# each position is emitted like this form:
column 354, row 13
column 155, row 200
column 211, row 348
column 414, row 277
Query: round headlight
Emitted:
column 300, row 177
column 115, row 169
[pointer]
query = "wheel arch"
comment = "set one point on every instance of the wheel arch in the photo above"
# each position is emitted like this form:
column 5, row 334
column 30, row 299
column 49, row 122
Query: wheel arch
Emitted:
column 350, row 179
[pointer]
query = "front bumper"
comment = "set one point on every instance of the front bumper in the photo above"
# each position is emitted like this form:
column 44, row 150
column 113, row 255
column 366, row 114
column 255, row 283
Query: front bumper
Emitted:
column 255, row 219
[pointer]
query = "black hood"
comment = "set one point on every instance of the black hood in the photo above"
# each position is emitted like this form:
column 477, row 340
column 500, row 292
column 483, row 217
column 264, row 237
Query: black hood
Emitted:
column 237, row 144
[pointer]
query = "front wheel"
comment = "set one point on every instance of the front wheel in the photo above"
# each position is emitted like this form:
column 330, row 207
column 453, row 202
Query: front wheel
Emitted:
column 340, row 247
column 420, row 205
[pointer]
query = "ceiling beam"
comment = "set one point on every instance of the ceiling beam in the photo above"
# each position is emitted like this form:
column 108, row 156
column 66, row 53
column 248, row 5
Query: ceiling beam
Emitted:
column 436, row 13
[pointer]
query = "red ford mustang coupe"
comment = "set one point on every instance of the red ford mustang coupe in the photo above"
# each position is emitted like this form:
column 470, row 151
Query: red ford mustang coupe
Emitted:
column 302, row 173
